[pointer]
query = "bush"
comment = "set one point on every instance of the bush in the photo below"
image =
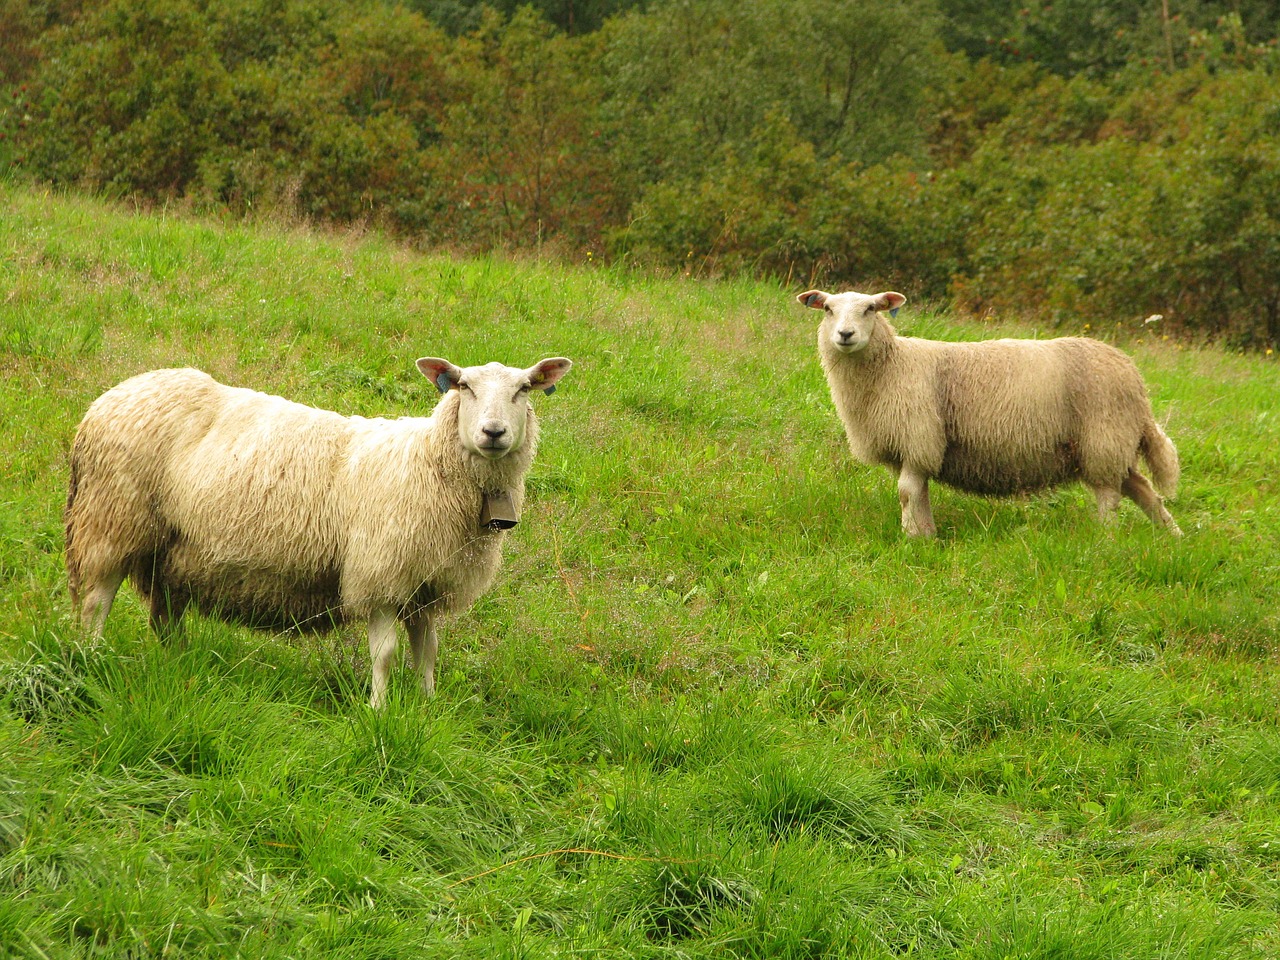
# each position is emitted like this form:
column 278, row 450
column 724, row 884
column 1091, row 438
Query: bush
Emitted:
column 522, row 152
column 240, row 103
column 783, row 211
column 1183, row 221
column 129, row 98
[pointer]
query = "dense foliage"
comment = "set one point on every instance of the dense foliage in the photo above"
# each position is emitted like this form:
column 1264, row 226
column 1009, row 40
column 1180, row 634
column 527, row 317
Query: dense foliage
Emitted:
column 1085, row 158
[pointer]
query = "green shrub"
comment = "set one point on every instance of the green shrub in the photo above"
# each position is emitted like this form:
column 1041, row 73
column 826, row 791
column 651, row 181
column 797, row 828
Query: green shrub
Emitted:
column 129, row 98
column 1178, row 216
column 522, row 154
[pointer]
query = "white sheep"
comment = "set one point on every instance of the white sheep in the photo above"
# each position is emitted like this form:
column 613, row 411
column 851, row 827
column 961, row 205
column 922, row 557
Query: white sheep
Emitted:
column 281, row 516
column 994, row 417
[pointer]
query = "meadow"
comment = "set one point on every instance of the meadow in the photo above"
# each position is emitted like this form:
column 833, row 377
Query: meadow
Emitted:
column 715, row 705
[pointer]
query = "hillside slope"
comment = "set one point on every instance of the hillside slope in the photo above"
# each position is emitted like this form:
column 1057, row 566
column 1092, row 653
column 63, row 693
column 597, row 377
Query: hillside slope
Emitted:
column 715, row 703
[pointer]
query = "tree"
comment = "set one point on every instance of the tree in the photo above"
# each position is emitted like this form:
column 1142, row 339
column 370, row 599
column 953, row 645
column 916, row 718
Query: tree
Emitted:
column 573, row 17
column 691, row 83
column 522, row 150
column 1095, row 37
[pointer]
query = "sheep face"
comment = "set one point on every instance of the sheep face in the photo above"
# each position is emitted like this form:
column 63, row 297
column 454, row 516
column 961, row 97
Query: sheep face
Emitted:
column 850, row 318
column 493, row 400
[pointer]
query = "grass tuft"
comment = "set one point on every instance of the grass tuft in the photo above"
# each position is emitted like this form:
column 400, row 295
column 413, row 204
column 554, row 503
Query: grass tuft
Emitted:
column 812, row 790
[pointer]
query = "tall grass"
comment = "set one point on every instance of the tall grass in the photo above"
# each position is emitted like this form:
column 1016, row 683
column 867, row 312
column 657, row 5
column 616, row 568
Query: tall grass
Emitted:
column 715, row 703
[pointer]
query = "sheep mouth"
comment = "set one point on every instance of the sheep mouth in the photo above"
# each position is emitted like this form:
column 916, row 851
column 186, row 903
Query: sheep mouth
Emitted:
column 493, row 449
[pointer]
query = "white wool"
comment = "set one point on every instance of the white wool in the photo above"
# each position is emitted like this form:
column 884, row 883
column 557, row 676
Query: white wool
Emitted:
column 992, row 417
column 279, row 515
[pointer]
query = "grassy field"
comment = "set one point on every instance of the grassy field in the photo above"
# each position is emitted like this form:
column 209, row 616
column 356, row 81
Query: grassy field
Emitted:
column 715, row 705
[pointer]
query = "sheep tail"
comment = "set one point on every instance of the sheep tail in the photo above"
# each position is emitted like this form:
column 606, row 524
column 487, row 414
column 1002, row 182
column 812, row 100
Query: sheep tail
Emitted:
column 1161, row 455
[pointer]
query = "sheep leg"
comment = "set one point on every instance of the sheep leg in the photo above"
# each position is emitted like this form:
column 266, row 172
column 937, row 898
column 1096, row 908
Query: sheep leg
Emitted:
column 1108, row 503
column 97, row 602
column 913, row 494
column 382, row 648
column 166, row 612
column 423, row 645
column 1138, row 489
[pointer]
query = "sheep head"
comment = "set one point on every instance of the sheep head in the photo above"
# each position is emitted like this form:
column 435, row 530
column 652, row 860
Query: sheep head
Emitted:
column 850, row 317
column 493, row 400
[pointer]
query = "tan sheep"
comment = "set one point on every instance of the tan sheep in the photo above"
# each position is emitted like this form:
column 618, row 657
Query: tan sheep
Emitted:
column 994, row 417
column 281, row 516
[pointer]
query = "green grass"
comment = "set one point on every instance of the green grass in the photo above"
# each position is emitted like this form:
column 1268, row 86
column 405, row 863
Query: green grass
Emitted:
column 715, row 704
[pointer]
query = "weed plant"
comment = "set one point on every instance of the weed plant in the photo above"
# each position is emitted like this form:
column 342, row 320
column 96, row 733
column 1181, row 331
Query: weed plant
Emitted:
column 715, row 705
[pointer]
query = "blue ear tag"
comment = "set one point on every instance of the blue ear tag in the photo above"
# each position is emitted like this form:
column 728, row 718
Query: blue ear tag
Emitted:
column 442, row 383
column 549, row 390
column 893, row 312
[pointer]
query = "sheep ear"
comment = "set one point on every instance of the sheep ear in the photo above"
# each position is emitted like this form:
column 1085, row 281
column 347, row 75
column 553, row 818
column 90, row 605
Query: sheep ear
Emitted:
column 545, row 373
column 440, row 372
column 813, row 298
column 889, row 301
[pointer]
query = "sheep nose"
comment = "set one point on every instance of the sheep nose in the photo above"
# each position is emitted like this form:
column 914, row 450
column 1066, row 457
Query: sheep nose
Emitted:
column 493, row 430
column 844, row 335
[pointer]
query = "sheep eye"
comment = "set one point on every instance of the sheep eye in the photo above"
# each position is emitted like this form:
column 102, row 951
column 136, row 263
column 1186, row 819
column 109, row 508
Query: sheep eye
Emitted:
column 827, row 308
column 464, row 386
